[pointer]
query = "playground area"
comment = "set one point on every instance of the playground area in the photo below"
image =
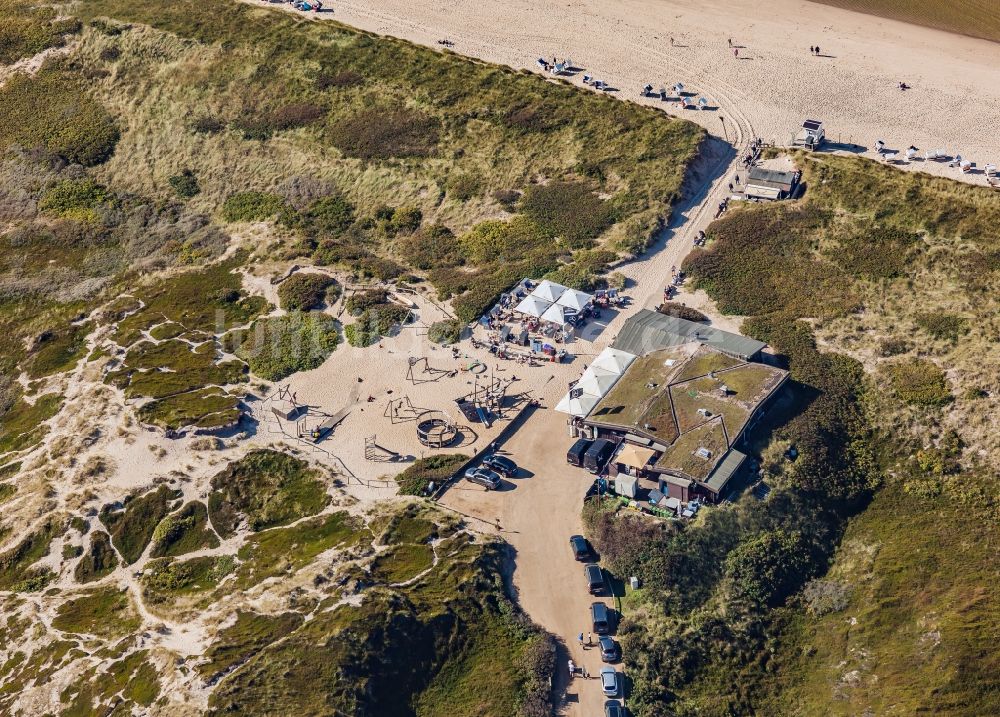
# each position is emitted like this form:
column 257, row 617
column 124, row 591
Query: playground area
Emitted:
column 402, row 407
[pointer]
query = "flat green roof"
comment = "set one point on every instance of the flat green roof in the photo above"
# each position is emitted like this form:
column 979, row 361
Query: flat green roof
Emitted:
column 650, row 330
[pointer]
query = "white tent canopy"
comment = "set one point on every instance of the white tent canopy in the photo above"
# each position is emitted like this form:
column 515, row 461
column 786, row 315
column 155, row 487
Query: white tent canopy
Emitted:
column 613, row 360
column 597, row 381
column 548, row 291
column 577, row 405
column 532, row 306
column 574, row 299
column 556, row 314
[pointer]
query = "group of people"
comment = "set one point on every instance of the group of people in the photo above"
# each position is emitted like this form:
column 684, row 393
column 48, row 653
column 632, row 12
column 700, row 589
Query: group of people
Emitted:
column 814, row 50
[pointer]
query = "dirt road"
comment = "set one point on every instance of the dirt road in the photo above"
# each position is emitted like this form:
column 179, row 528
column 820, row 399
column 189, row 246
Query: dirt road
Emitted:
column 538, row 512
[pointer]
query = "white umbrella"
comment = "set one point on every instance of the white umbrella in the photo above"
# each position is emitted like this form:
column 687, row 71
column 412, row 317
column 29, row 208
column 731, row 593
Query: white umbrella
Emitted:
column 613, row 360
column 574, row 299
column 555, row 314
column 577, row 404
column 532, row 306
column 548, row 291
column 597, row 381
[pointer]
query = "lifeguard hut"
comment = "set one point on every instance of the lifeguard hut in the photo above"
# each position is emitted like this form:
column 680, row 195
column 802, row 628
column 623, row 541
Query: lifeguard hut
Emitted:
column 811, row 136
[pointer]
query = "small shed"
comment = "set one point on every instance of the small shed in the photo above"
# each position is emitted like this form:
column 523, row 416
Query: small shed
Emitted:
column 626, row 485
column 677, row 487
column 770, row 184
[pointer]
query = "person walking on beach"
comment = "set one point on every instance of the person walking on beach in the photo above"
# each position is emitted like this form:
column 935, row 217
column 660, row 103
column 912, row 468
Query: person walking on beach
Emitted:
column 736, row 52
column 812, row 50
column 817, row 49
column 730, row 41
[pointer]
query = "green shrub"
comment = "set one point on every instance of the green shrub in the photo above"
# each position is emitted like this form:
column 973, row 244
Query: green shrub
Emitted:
column 26, row 31
column 330, row 215
column 463, row 187
column 361, row 301
column 131, row 528
column 385, row 132
column 327, row 80
column 185, row 184
column 919, row 382
column 893, row 346
column 405, row 220
column 52, row 110
column 277, row 347
column 448, row 331
column 672, row 308
column 432, row 247
column 306, row 291
column 252, row 207
column 768, row 567
column 183, row 532
column 76, row 199
column 266, row 489
column 437, row 468
column 568, row 210
column 99, row 561
column 943, row 326
column 375, row 322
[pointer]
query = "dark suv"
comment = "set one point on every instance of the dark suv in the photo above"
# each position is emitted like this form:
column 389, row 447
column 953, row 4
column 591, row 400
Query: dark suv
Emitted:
column 581, row 549
column 504, row 466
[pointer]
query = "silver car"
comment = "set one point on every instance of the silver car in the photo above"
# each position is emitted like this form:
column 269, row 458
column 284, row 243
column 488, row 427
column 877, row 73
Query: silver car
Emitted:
column 609, row 681
column 484, row 477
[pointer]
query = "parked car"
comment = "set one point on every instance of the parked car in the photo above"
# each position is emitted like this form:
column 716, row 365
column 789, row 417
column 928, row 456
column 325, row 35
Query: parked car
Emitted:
column 600, row 616
column 613, row 708
column 610, row 651
column 580, row 546
column 498, row 464
column 597, row 455
column 595, row 579
column 484, row 477
column 576, row 452
column 609, row 681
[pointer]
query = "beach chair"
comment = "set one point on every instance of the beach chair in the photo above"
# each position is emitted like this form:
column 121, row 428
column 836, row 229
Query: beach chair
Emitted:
column 911, row 153
column 930, row 154
column 702, row 103
column 941, row 155
column 679, row 88
column 991, row 170
column 956, row 161
column 965, row 166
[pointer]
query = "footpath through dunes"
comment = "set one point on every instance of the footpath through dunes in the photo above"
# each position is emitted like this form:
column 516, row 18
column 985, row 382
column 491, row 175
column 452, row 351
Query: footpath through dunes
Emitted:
column 774, row 84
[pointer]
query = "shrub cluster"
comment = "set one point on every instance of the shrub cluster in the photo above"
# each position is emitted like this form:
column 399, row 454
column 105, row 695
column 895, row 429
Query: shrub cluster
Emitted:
column 306, row 291
column 437, row 468
column 672, row 308
column 385, row 132
column 261, row 126
column 75, row 199
column 53, row 111
column 277, row 347
column 445, row 332
column 185, row 184
column 943, row 326
column 919, row 382
column 252, row 207
column 568, row 210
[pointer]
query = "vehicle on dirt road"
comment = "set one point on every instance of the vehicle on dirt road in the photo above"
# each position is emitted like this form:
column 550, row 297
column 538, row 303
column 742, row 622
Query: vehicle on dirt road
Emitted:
column 610, row 651
column 609, row 681
column 580, row 547
column 484, row 477
column 574, row 456
column 498, row 464
column 600, row 616
column 613, row 708
column 595, row 579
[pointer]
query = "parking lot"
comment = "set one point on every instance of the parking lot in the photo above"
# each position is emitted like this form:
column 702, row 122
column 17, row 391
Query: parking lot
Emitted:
column 538, row 511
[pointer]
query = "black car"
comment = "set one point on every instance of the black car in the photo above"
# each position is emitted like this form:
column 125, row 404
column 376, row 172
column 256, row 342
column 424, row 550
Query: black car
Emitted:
column 504, row 466
column 580, row 546
column 484, row 477
column 595, row 579
column 576, row 452
column 600, row 616
column 613, row 708
column 609, row 649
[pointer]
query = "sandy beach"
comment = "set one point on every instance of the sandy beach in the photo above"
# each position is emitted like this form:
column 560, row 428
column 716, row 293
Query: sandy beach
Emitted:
column 774, row 84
